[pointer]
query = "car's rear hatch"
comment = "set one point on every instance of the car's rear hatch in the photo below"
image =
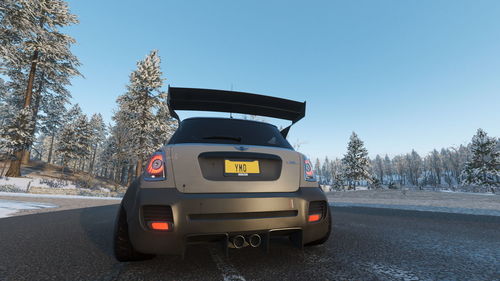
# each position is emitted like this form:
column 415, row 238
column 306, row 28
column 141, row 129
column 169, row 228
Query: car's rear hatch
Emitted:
column 220, row 168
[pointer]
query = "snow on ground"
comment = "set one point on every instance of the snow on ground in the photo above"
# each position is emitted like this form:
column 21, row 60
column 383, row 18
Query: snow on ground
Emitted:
column 33, row 195
column 466, row 211
column 20, row 184
column 9, row 207
column 51, row 186
column 462, row 192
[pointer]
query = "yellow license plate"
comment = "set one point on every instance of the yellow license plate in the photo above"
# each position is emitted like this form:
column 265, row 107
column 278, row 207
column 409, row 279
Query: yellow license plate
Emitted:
column 241, row 168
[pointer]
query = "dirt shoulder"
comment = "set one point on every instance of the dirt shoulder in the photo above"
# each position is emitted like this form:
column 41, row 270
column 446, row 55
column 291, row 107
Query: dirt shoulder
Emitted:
column 418, row 198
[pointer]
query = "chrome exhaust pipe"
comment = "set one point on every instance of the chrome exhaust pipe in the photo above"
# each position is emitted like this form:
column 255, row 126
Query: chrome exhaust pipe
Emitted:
column 238, row 241
column 254, row 240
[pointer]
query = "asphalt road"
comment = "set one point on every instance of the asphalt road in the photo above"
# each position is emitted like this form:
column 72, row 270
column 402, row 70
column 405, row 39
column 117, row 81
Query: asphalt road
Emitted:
column 366, row 244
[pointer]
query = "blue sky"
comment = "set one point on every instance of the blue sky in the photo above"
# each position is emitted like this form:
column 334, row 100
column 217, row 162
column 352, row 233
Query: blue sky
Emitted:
column 401, row 74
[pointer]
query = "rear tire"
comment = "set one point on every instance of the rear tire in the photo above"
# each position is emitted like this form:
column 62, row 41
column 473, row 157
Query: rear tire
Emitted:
column 123, row 249
column 323, row 239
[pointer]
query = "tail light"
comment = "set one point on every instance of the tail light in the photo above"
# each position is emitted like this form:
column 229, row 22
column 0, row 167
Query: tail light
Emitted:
column 317, row 211
column 155, row 169
column 308, row 171
column 159, row 218
column 160, row 225
column 314, row 217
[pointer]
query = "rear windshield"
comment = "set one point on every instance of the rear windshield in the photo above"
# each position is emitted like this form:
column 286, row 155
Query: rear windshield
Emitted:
column 228, row 131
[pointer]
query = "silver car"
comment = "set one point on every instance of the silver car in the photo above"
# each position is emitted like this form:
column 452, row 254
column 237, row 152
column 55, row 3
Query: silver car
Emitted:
column 223, row 180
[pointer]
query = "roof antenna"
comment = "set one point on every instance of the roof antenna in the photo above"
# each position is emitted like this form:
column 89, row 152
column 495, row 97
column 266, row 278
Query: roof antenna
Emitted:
column 230, row 113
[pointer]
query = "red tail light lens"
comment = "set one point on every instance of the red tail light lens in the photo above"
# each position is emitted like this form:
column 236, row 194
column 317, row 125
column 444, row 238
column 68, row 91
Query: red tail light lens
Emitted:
column 159, row 225
column 155, row 169
column 314, row 217
column 308, row 171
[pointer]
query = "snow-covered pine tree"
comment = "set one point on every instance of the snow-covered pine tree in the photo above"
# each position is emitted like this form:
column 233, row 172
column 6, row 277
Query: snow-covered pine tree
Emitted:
column 122, row 153
column 66, row 145
column 98, row 136
column 168, row 124
column 82, row 139
column 413, row 163
column 143, row 111
column 105, row 157
column 483, row 167
column 400, row 168
column 317, row 170
column 378, row 168
column 436, row 166
column 31, row 43
column 388, row 168
column 325, row 171
column 356, row 162
column 52, row 119
column 337, row 170
column 72, row 114
column 15, row 137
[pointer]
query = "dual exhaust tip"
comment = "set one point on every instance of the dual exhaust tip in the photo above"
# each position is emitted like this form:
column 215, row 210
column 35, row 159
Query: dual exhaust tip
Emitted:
column 239, row 241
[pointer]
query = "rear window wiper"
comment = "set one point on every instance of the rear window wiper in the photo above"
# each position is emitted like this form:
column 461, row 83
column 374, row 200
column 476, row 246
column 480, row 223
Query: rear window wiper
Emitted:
column 238, row 139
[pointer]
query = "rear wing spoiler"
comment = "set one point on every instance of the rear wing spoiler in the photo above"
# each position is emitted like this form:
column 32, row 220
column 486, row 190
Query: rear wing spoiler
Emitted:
column 234, row 102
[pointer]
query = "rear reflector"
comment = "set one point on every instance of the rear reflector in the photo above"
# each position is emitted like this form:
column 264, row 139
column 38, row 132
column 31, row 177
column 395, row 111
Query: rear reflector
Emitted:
column 314, row 217
column 159, row 225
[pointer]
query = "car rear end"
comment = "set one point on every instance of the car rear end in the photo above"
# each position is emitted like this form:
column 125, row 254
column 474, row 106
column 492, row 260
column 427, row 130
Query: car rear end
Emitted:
column 234, row 181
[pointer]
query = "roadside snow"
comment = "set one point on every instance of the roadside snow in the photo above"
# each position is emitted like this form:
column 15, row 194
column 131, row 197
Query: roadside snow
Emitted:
column 461, row 192
column 484, row 212
column 32, row 195
column 8, row 207
column 22, row 184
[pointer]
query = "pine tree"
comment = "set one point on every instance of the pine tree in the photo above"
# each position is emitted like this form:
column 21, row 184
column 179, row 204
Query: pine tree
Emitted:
column 378, row 168
column 98, row 136
column 14, row 137
column 413, row 163
column 483, row 168
column 388, row 168
column 436, row 165
column 82, row 138
column 32, row 45
column 337, row 169
column 66, row 145
column 317, row 170
column 325, row 171
column 143, row 109
column 53, row 118
column 356, row 162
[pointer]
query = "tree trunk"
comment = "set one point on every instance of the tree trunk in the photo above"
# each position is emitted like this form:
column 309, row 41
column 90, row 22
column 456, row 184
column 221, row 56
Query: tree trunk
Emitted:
column 63, row 164
column 130, row 174
column 124, row 174
column 31, row 79
column 29, row 95
column 4, row 166
column 92, row 162
column 138, row 169
column 37, row 98
column 15, row 165
column 51, row 147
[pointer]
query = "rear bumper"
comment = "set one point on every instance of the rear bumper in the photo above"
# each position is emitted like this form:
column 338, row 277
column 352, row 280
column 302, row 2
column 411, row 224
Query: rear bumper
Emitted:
column 224, row 215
